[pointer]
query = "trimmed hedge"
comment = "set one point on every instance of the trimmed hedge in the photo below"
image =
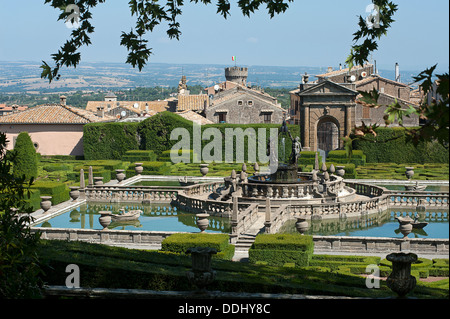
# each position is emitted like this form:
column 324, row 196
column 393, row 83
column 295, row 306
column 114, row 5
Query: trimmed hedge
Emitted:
column 58, row 191
column 113, row 140
column 280, row 249
column 358, row 158
column 181, row 242
column 386, row 148
column 109, row 140
column 136, row 156
column 151, row 168
column 308, row 158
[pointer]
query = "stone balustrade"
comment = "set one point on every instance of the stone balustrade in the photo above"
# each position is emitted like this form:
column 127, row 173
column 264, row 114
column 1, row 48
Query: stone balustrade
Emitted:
column 143, row 194
column 242, row 219
column 406, row 199
column 300, row 190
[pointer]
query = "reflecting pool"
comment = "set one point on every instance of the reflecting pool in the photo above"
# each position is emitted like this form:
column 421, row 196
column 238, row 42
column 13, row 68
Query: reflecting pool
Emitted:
column 378, row 225
column 155, row 217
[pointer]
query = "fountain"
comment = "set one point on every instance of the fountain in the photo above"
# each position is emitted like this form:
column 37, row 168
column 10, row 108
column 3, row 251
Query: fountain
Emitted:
column 293, row 193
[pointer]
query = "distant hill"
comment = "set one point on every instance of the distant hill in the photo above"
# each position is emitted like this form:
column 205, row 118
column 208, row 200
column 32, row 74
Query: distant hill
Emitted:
column 16, row 77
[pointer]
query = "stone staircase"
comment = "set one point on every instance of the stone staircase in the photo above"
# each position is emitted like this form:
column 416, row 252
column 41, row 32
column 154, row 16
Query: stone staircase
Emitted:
column 245, row 240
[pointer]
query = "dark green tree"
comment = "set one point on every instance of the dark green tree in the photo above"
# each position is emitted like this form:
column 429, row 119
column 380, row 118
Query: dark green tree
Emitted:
column 19, row 263
column 25, row 163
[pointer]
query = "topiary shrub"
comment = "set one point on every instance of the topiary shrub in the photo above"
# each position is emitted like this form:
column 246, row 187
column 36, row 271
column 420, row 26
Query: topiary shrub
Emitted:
column 181, row 242
column 279, row 249
column 25, row 162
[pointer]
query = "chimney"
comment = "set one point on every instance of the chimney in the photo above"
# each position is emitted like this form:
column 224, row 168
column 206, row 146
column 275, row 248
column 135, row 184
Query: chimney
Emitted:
column 15, row 108
column 305, row 78
column 100, row 111
column 330, row 69
column 397, row 73
column 62, row 100
column 340, row 66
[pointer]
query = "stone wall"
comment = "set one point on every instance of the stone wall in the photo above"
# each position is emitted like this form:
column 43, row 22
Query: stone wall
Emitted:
column 322, row 244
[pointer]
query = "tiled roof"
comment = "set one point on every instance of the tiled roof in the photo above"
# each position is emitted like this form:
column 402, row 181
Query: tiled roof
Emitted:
column 377, row 77
column 337, row 72
column 53, row 114
column 158, row 106
column 192, row 102
column 194, row 117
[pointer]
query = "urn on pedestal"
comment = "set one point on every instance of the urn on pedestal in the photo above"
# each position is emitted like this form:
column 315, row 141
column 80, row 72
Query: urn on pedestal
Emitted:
column 201, row 274
column 138, row 168
column 204, row 169
column 120, row 175
column 202, row 221
column 74, row 192
column 104, row 219
column 301, row 225
column 46, row 203
column 400, row 280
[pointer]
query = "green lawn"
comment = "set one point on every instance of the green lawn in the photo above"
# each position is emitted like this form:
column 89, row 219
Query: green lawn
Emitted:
column 114, row 267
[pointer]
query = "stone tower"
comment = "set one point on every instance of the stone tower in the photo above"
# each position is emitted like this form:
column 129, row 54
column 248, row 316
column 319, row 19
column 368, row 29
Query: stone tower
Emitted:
column 237, row 75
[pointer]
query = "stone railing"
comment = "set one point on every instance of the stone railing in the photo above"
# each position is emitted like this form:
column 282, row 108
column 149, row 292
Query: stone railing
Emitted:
column 276, row 219
column 143, row 194
column 195, row 205
column 200, row 189
column 129, row 237
column 380, row 245
column 300, row 190
column 406, row 199
column 242, row 219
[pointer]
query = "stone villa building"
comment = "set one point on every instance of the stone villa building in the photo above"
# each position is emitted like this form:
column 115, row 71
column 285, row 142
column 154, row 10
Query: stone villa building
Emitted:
column 329, row 108
column 231, row 101
column 234, row 102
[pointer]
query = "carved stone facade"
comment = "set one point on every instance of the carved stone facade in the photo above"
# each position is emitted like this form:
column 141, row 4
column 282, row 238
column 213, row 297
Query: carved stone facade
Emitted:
column 326, row 113
column 324, row 108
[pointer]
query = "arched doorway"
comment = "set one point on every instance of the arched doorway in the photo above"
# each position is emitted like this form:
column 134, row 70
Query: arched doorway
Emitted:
column 327, row 135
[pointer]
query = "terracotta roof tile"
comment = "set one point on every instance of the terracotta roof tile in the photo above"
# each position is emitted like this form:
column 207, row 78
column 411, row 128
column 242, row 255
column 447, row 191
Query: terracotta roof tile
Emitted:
column 192, row 102
column 53, row 114
column 158, row 106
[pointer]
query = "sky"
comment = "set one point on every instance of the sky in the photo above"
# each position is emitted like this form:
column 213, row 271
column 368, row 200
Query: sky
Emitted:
column 310, row 33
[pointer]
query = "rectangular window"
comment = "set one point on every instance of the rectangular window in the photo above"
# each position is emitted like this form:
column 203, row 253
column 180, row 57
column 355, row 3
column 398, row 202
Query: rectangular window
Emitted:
column 250, row 103
column 240, row 102
column 222, row 117
column 296, row 106
column 268, row 118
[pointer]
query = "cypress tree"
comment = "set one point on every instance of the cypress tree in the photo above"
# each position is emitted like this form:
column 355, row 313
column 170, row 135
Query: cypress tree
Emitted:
column 25, row 162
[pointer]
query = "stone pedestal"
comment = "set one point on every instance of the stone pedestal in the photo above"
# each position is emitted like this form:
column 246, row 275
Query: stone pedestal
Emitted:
column 400, row 280
column 202, row 274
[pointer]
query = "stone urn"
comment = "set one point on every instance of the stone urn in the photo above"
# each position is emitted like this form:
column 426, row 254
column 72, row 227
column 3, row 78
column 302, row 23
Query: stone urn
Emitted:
column 409, row 172
column 74, row 192
column 201, row 274
column 405, row 225
column 98, row 181
column 202, row 221
column 46, row 203
column 138, row 168
column 340, row 171
column 400, row 280
column 120, row 175
column 301, row 225
column 104, row 219
column 204, row 169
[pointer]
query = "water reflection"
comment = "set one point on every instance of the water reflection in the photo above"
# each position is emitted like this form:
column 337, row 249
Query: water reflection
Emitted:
column 382, row 224
column 156, row 217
